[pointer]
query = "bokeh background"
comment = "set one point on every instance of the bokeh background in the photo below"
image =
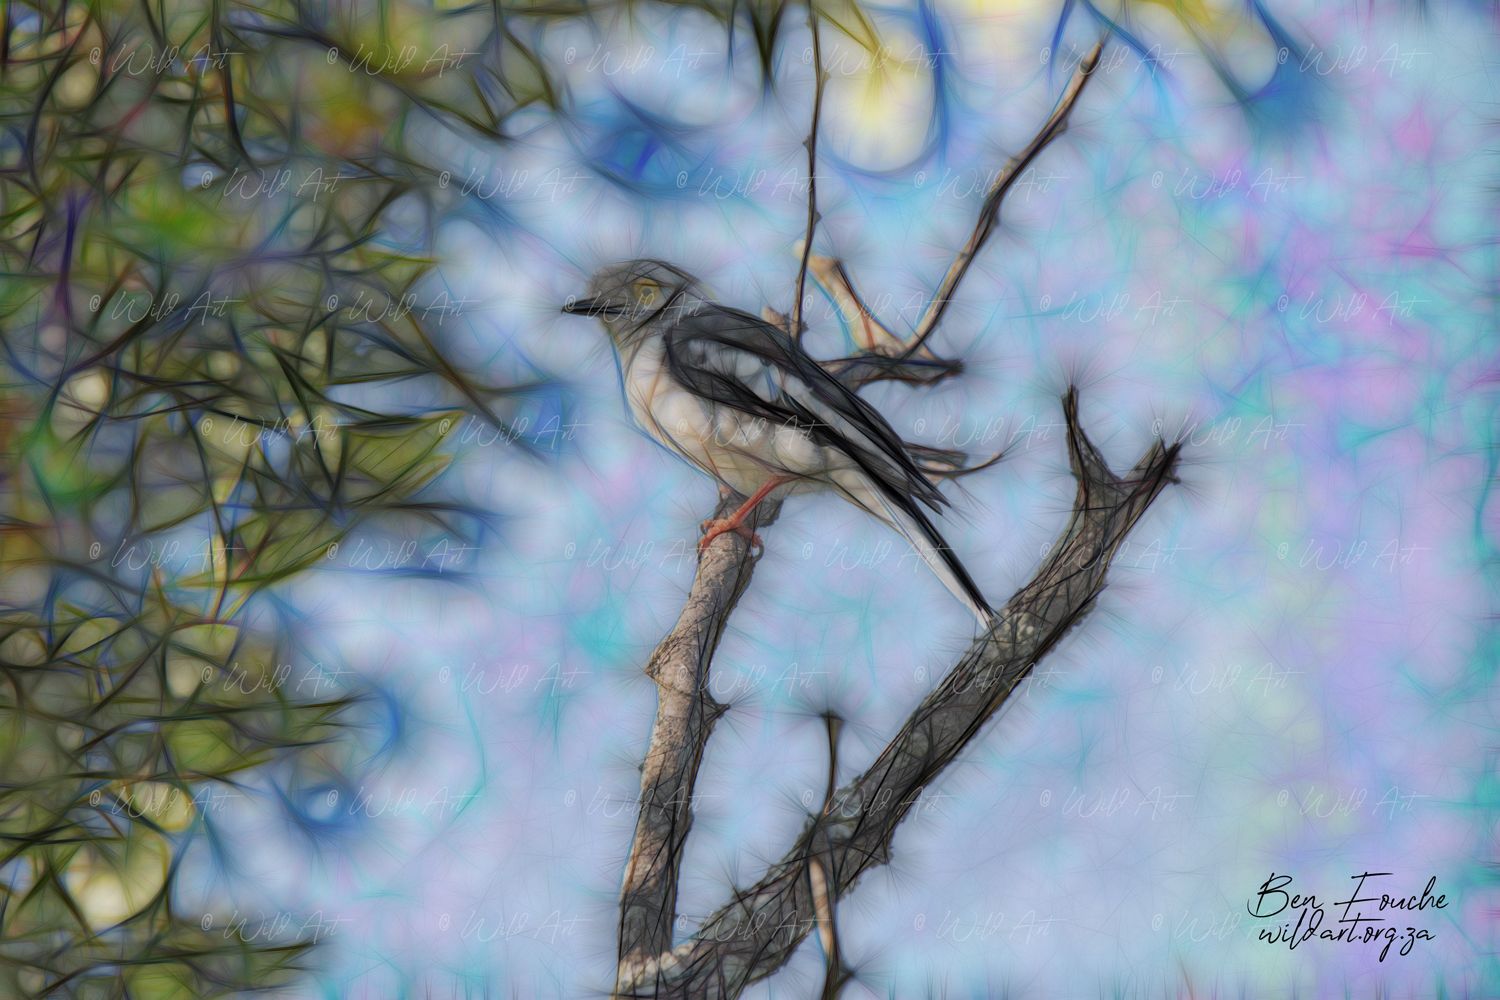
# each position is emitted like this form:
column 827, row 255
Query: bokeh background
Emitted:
column 1269, row 233
column 1290, row 672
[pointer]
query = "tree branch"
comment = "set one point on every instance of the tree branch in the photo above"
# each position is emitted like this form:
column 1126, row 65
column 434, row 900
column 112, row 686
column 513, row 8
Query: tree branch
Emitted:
column 685, row 717
column 989, row 216
column 825, row 895
column 869, row 334
column 649, row 966
column 758, row 931
column 883, row 355
column 794, row 327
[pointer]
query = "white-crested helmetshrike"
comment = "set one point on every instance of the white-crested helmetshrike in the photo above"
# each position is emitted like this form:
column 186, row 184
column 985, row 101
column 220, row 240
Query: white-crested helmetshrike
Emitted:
column 741, row 400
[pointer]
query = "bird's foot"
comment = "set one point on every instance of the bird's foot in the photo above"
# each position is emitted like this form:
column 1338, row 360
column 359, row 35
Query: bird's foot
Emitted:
column 716, row 526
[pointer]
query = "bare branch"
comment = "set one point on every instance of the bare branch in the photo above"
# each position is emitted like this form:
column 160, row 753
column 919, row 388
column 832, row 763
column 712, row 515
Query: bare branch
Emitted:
column 886, row 356
column 757, row 932
column 838, row 846
column 824, row 893
column 869, row 333
column 795, row 326
column 883, row 355
column 685, row 716
column 989, row 215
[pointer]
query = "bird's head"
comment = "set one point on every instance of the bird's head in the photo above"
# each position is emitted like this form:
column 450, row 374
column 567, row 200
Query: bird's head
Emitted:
column 637, row 295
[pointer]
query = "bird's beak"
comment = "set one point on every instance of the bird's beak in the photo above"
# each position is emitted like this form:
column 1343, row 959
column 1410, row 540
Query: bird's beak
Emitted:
column 589, row 307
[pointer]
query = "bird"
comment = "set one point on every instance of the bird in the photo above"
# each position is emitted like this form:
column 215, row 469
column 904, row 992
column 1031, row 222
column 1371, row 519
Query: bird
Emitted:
column 742, row 401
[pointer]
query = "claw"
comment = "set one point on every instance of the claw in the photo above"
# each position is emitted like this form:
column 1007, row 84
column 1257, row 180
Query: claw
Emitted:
column 714, row 527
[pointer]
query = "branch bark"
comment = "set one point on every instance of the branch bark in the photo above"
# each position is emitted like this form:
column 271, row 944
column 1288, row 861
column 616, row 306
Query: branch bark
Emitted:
column 685, row 715
column 757, row 932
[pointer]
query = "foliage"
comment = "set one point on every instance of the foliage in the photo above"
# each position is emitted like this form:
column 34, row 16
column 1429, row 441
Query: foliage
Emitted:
column 207, row 330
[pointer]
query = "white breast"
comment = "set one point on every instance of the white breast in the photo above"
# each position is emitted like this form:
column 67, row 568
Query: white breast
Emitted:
column 736, row 448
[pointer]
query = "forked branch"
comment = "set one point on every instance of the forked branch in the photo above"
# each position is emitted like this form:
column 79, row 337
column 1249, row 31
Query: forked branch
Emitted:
column 752, row 936
column 756, row 933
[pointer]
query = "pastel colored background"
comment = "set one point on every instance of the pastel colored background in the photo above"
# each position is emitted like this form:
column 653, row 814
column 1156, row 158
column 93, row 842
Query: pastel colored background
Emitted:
column 1291, row 670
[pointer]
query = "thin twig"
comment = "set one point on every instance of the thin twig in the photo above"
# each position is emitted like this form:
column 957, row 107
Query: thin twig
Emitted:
column 882, row 355
column 795, row 325
column 825, row 894
column 882, row 359
column 989, row 216
column 868, row 332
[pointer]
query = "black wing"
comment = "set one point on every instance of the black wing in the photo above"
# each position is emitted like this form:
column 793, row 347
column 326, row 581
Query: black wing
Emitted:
column 738, row 360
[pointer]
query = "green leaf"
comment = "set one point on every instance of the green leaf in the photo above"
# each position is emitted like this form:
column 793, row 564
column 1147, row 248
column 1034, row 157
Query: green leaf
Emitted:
column 399, row 457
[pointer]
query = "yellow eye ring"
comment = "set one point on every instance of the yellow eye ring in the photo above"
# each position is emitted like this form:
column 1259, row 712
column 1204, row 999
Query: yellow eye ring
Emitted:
column 646, row 291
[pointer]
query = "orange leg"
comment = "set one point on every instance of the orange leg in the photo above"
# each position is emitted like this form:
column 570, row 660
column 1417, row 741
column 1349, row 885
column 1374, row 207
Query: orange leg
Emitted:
column 714, row 527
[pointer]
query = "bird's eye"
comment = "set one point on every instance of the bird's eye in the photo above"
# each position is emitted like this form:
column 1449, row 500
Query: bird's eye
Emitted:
column 646, row 292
